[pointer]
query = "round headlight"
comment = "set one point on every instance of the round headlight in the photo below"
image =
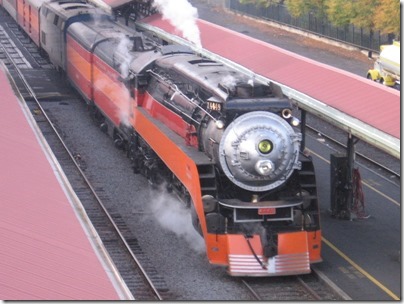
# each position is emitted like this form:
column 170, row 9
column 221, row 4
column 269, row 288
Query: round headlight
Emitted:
column 265, row 146
column 295, row 122
column 219, row 124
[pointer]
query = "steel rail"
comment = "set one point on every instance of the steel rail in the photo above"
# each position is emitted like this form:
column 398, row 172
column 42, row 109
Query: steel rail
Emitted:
column 360, row 155
column 310, row 290
column 272, row 293
column 253, row 292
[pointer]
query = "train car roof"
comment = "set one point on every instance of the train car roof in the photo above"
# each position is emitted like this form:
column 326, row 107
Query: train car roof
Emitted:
column 107, row 40
column 91, row 32
column 72, row 8
column 37, row 3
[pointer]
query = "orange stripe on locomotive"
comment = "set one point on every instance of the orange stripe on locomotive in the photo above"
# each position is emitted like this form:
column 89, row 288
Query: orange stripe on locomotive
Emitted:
column 171, row 119
column 98, row 82
column 111, row 95
column 185, row 170
column 28, row 18
column 79, row 67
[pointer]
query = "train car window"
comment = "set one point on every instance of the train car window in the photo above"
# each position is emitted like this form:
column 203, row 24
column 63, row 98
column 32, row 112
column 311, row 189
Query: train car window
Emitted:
column 43, row 37
column 30, row 23
column 56, row 20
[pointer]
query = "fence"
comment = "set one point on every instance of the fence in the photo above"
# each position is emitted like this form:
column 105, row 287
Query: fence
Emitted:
column 359, row 37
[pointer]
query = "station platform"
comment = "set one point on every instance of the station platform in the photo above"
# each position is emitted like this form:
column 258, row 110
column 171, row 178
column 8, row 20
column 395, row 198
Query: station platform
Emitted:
column 49, row 250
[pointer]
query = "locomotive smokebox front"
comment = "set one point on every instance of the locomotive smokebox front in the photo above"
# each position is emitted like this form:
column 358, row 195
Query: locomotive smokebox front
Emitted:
column 258, row 151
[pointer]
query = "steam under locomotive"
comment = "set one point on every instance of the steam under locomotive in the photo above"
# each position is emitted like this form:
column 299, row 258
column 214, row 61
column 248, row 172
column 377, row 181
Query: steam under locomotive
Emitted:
column 226, row 144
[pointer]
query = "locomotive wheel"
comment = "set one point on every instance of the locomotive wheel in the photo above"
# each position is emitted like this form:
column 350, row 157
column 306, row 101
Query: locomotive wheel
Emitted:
column 151, row 178
column 119, row 144
column 169, row 188
column 154, row 178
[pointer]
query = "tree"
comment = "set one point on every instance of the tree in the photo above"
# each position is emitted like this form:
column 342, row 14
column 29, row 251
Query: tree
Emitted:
column 387, row 17
column 298, row 8
column 364, row 11
column 382, row 15
column 364, row 15
column 340, row 12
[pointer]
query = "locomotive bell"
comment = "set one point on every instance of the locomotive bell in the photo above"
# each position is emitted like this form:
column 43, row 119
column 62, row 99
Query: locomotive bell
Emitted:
column 259, row 150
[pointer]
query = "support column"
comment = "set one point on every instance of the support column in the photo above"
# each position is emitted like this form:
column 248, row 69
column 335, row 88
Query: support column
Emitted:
column 342, row 167
column 303, row 129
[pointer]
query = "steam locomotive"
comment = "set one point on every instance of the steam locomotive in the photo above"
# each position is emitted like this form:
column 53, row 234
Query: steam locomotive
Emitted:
column 226, row 144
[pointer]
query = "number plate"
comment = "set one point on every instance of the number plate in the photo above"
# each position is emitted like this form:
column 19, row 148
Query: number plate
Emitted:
column 214, row 106
column 267, row 211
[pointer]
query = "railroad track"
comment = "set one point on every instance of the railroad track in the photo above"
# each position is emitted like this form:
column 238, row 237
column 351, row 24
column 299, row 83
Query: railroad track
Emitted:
column 308, row 287
column 360, row 156
column 141, row 278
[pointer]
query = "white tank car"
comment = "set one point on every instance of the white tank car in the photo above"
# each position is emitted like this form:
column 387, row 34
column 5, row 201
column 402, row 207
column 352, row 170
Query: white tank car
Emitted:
column 387, row 68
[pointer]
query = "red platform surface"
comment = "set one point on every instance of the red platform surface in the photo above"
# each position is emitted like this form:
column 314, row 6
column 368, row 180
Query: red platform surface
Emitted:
column 370, row 102
column 45, row 254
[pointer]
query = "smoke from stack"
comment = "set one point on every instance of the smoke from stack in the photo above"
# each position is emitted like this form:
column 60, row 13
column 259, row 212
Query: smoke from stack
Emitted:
column 182, row 15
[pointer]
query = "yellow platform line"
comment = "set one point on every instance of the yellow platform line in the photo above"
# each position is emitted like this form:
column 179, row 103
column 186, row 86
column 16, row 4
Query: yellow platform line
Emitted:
column 345, row 257
column 361, row 270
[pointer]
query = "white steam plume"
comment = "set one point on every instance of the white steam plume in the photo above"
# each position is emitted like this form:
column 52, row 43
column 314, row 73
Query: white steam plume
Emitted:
column 229, row 82
column 124, row 109
column 175, row 217
column 182, row 15
column 123, row 48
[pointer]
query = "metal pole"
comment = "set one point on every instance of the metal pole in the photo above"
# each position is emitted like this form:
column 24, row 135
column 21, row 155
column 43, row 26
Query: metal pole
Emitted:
column 303, row 129
column 350, row 168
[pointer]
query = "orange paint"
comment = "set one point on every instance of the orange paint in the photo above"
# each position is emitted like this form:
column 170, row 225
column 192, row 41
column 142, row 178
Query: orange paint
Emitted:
column 314, row 239
column 217, row 249
column 292, row 242
column 173, row 156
